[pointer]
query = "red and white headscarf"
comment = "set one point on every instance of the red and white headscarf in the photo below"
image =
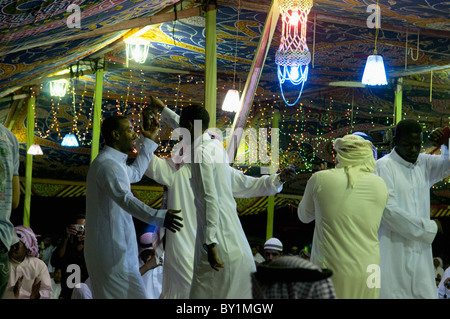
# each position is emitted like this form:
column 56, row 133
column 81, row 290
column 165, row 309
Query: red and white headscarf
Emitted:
column 28, row 238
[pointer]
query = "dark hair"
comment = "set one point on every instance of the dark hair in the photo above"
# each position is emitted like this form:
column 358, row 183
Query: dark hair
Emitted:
column 407, row 127
column 110, row 124
column 195, row 112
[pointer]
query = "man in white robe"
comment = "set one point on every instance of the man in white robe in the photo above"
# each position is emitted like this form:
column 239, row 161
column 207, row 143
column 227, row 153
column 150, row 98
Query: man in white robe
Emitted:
column 407, row 232
column 110, row 245
column 179, row 247
column 223, row 260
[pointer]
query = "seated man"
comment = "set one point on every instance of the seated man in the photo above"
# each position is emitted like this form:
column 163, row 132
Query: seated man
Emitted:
column 29, row 276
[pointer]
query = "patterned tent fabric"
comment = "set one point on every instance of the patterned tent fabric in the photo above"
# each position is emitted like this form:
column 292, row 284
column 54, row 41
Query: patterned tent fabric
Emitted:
column 36, row 42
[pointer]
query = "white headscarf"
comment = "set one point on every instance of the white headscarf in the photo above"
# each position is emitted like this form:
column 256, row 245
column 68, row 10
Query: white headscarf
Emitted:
column 355, row 155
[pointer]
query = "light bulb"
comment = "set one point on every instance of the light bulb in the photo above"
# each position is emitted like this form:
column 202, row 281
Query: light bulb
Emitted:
column 295, row 17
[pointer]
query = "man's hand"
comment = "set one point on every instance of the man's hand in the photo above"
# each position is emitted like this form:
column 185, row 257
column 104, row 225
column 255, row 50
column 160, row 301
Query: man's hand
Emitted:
column 439, row 136
column 172, row 221
column 150, row 263
column 156, row 105
column 35, row 289
column 287, row 174
column 213, row 259
column 150, row 124
column 17, row 287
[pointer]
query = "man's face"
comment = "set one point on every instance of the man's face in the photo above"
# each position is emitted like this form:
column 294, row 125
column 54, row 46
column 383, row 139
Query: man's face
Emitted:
column 270, row 254
column 409, row 146
column 127, row 136
column 18, row 251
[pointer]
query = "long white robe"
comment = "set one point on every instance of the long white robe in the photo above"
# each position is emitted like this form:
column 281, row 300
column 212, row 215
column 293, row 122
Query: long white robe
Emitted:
column 111, row 250
column 180, row 246
column 407, row 232
column 346, row 225
column 218, row 223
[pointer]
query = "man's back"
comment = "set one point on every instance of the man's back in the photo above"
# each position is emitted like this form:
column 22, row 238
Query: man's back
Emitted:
column 347, row 221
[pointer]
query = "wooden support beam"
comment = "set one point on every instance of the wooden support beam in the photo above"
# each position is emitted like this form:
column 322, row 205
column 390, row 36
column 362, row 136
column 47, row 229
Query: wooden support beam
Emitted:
column 252, row 80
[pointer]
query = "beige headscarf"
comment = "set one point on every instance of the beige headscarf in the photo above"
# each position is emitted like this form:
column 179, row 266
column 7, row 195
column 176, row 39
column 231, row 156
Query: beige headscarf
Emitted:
column 355, row 155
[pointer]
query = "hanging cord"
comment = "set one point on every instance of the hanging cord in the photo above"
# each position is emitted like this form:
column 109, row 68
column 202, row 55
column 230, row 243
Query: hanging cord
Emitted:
column 314, row 40
column 174, row 23
column 377, row 29
column 409, row 51
column 235, row 50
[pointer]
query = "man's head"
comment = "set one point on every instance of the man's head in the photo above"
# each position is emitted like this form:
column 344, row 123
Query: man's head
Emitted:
column 145, row 246
column 273, row 249
column 118, row 133
column 27, row 245
column 408, row 139
column 190, row 114
column 80, row 224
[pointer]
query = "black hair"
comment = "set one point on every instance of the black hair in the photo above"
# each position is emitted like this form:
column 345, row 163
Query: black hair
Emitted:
column 195, row 112
column 110, row 124
column 407, row 127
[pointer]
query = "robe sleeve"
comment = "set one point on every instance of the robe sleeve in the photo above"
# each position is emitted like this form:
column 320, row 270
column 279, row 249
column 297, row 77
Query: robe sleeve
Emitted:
column 46, row 283
column 160, row 171
column 438, row 166
column 170, row 117
column 117, row 186
column 400, row 221
column 136, row 170
column 306, row 207
column 245, row 186
column 211, row 197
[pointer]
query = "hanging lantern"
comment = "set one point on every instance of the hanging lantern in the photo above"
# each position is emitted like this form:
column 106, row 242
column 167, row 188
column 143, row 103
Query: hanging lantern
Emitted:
column 232, row 101
column 58, row 87
column 35, row 149
column 374, row 72
column 69, row 140
column 293, row 56
column 137, row 49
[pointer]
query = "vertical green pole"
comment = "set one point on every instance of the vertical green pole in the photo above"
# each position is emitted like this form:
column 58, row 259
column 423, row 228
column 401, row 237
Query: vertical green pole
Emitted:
column 211, row 65
column 398, row 101
column 29, row 161
column 97, row 112
column 271, row 199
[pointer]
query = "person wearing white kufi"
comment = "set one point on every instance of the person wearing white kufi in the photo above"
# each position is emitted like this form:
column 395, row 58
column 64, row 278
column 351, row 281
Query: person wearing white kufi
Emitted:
column 273, row 249
column 347, row 204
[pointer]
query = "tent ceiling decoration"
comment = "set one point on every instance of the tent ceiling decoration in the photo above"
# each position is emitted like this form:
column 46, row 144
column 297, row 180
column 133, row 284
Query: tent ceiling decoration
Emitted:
column 38, row 46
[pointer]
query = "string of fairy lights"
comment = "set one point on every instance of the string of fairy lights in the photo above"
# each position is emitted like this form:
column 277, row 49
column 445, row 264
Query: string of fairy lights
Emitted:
column 307, row 129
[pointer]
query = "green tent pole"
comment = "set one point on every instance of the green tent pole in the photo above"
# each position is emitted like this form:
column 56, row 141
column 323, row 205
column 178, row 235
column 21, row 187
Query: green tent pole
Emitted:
column 271, row 199
column 211, row 65
column 29, row 161
column 398, row 101
column 97, row 112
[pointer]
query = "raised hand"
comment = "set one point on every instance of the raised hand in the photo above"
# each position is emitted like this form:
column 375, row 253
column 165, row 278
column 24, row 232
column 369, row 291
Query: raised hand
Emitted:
column 287, row 174
column 150, row 125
